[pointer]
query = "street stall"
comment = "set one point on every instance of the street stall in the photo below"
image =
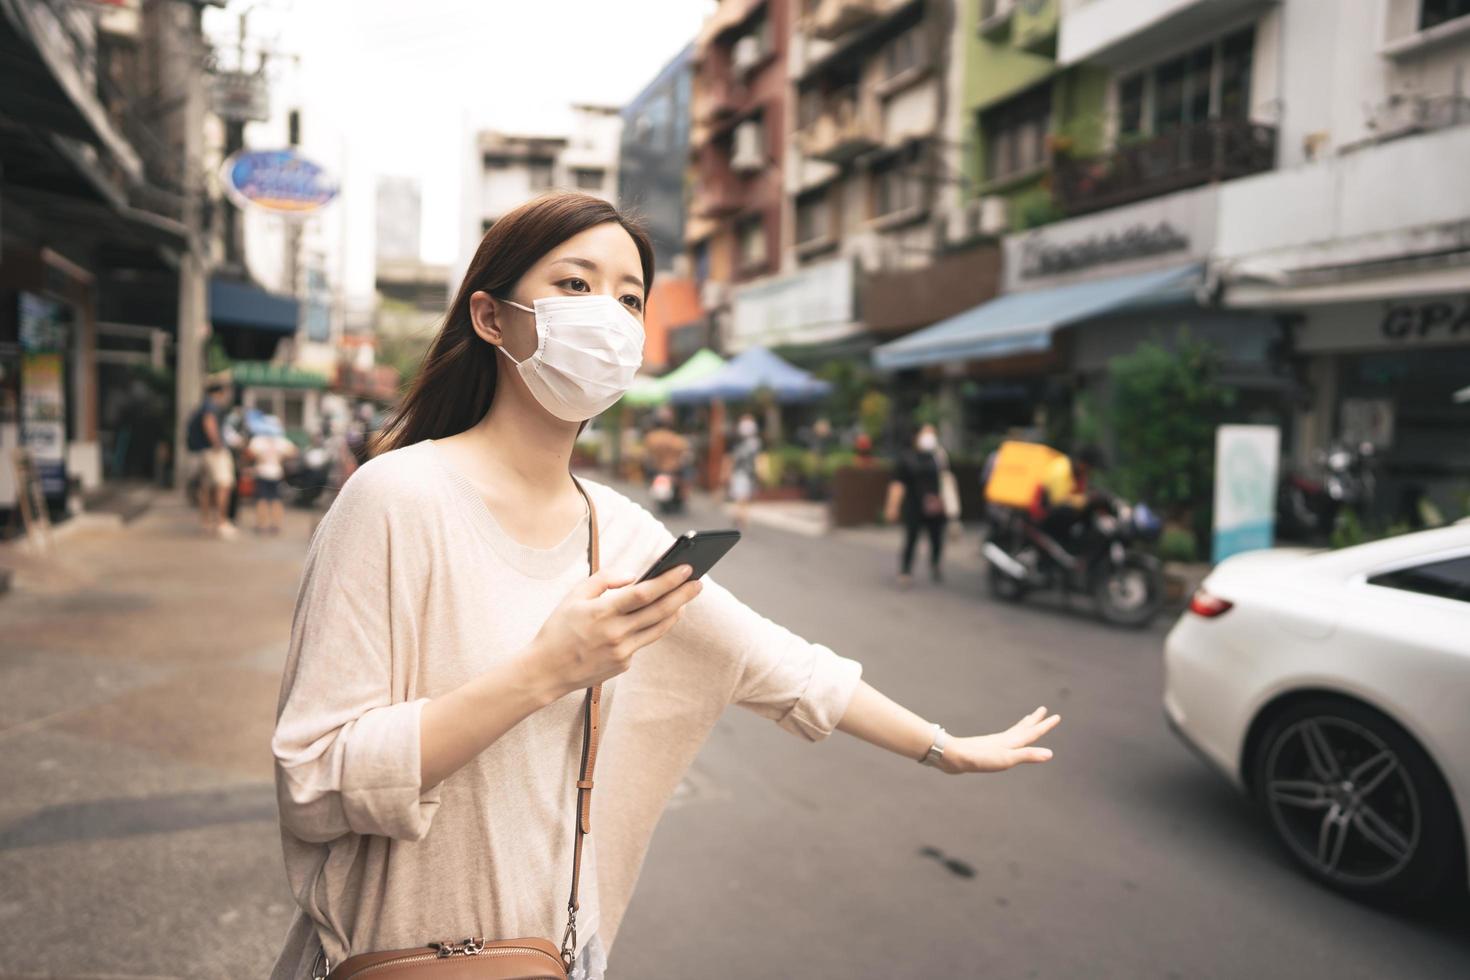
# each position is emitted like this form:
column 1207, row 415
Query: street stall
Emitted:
column 753, row 371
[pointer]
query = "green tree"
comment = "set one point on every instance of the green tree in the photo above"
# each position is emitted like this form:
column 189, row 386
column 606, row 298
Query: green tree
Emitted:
column 1165, row 408
column 874, row 411
column 850, row 380
column 404, row 351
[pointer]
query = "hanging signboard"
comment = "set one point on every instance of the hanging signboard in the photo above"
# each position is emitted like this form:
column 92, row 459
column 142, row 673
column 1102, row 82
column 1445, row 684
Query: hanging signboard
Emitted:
column 1245, row 488
column 279, row 181
column 240, row 96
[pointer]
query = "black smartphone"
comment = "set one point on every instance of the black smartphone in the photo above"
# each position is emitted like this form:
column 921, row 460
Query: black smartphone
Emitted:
column 698, row 549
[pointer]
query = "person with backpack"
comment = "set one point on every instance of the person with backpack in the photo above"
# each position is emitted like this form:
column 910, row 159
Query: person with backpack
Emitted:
column 214, row 465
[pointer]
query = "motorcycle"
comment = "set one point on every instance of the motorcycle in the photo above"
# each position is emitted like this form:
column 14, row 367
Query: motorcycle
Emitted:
column 310, row 475
column 668, row 492
column 1308, row 509
column 1107, row 561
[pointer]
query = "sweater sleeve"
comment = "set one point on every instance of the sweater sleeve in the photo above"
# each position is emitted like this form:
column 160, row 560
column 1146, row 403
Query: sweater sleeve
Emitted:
column 346, row 748
column 804, row 687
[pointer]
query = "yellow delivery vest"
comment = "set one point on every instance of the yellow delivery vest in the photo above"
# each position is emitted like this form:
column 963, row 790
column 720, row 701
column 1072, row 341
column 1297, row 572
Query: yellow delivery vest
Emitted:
column 1019, row 469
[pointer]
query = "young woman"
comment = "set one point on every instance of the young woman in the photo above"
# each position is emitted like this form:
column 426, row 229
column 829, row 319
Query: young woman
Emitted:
column 429, row 732
column 916, row 495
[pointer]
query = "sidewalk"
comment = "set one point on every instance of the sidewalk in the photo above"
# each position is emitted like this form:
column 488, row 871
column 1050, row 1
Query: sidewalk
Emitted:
column 142, row 666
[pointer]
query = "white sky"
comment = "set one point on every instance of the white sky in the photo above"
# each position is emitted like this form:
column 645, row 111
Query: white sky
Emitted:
column 394, row 86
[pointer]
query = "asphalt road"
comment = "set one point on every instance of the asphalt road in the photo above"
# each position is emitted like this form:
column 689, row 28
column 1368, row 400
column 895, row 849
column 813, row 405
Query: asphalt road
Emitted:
column 138, row 835
column 1123, row 857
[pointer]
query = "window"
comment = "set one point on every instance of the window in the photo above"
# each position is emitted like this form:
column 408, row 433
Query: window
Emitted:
column 1015, row 134
column 589, row 178
column 808, row 108
column 1130, row 106
column 1436, row 12
column 538, row 172
column 904, row 52
column 1211, row 82
column 813, row 217
column 1446, row 579
column 898, row 182
column 751, row 232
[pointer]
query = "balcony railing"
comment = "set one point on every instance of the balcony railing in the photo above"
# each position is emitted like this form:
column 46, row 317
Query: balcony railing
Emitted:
column 718, row 197
column 1182, row 158
column 833, row 18
column 843, row 132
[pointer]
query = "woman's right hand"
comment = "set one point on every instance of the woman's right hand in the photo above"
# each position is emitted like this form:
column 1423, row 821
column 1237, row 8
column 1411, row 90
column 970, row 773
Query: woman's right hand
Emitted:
column 594, row 632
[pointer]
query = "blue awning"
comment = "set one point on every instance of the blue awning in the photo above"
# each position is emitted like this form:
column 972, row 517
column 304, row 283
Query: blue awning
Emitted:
column 749, row 372
column 233, row 303
column 1021, row 323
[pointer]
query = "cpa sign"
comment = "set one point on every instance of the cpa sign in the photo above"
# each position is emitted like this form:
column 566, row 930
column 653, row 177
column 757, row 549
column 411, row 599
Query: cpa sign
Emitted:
column 280, row 181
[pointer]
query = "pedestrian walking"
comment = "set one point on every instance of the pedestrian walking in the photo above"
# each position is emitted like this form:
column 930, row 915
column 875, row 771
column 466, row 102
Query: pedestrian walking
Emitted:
column 268, row 450
column 923, row 496
column 468, row 612
column 213, row 464
column 740, row 466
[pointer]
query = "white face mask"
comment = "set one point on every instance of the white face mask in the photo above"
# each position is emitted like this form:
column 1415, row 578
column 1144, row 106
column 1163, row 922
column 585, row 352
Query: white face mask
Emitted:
column 928, row 442
column 588, row 348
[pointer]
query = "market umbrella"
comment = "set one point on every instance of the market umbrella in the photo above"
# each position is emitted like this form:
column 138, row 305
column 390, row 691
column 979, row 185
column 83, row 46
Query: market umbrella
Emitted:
column 648, row 392
column 747, row 373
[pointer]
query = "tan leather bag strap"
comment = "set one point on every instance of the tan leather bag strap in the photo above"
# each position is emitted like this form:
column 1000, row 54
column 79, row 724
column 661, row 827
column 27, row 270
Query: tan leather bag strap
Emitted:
column 590, row 736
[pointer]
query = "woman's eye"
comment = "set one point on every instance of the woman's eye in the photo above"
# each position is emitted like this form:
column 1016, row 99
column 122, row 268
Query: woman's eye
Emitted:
column 633, row 302
column 576, row 285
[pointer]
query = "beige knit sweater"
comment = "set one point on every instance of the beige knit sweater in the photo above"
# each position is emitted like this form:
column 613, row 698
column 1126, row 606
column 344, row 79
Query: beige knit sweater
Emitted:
column 411, row 588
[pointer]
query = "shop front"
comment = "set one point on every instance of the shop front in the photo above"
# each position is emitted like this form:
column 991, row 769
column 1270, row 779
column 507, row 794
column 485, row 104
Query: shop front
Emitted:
column 48, row 381
column 1385, row 373
column 1078, row 294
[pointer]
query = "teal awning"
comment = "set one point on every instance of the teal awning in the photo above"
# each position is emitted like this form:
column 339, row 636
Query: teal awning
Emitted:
column 264, row 374
column 1020, row 323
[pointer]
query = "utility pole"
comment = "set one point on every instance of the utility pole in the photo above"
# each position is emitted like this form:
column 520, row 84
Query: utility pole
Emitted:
column 178, row 33
column 293, row 223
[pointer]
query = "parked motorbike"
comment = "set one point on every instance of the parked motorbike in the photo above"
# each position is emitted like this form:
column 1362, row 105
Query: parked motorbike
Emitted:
column 1106, row 559
column 1308, row 509
column 310, row 475
column 668, row 492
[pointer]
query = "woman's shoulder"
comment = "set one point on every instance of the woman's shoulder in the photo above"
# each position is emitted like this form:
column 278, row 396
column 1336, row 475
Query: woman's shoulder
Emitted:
column 387, row 481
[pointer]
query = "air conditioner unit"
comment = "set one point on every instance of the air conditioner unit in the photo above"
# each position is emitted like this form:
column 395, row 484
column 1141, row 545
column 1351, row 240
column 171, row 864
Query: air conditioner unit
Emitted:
column 746, row 54
column 992, row 218
column 714, row 294
column 748, row 154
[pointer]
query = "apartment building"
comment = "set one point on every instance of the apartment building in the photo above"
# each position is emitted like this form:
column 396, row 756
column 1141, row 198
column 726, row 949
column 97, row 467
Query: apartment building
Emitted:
column 504, row 170
column 1098, row 138
column 736, row 151
column 1279, row 179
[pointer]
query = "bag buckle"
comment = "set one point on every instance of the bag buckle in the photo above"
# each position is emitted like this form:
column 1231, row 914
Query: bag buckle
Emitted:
column 569, row 939
column 321, row 967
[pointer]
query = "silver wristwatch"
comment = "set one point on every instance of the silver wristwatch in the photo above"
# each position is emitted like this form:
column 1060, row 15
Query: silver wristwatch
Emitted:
column 936, row 751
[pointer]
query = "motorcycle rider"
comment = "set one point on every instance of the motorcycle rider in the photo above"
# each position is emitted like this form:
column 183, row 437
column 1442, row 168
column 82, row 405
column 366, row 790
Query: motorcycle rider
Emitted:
column 1063, row 499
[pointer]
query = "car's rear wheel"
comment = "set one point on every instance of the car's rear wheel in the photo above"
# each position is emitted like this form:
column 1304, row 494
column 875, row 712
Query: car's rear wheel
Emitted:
column 1357, row 802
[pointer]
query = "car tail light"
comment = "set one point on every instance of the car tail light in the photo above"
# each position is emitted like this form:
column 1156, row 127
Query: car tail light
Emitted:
column 1208, row 606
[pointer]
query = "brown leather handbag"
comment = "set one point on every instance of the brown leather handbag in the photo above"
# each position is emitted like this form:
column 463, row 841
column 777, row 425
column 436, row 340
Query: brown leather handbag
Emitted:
column 476, row 958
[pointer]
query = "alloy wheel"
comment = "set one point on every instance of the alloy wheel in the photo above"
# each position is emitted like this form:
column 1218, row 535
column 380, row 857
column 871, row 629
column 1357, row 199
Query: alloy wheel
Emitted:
column 1343, row 800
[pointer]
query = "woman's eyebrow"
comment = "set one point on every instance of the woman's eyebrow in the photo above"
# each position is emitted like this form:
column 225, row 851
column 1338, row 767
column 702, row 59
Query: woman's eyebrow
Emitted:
column 591, row 266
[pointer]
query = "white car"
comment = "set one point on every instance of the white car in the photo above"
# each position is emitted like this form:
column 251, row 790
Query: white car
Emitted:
column 1334, row 688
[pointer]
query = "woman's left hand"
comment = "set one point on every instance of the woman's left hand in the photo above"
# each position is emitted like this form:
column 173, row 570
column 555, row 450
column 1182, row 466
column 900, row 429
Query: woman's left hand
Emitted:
column 1001, row 751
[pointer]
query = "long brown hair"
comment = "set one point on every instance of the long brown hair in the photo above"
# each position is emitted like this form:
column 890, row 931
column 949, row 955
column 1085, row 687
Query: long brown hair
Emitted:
column 454, row 388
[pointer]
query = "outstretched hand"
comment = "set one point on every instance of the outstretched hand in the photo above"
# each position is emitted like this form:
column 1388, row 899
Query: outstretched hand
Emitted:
column 1003, row 750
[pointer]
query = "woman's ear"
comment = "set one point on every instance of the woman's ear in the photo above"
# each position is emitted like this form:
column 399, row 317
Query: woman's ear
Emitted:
column 484, row 317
